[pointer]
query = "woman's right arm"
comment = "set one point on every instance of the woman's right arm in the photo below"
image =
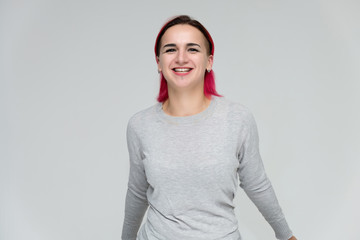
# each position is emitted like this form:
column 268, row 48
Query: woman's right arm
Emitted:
column 135, row 209
column 136, row 202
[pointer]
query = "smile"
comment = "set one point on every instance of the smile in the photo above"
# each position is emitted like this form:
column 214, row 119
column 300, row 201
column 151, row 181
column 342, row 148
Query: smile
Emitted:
column 182, row 70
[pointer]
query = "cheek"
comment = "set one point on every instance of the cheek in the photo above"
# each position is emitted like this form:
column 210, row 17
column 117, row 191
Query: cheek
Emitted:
column 164, row 61
column 203, row 61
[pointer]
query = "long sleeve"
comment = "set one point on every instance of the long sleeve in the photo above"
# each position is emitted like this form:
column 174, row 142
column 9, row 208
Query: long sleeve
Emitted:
column 184, row 172
column 256, row 184
column 136, row 201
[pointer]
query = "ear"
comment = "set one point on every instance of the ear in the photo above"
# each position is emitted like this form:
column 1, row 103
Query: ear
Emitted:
column 158, row 63
column 210, row 62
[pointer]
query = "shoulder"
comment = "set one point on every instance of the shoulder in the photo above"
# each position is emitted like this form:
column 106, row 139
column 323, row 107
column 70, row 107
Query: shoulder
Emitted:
column 235, row 111
column 143, row 118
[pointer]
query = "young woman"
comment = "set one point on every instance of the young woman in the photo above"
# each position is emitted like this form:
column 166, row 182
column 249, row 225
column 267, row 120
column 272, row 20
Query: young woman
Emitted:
column 188, row 151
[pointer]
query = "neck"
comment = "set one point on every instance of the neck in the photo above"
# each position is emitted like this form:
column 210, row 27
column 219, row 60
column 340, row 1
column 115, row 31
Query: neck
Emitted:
column 185, row 104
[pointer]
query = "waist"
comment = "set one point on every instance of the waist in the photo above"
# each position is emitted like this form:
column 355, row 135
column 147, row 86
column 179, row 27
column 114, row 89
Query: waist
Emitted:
column 182, row 226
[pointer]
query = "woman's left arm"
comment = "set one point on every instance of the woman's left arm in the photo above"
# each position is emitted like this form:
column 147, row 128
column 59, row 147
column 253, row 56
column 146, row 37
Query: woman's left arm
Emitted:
column 255, row 182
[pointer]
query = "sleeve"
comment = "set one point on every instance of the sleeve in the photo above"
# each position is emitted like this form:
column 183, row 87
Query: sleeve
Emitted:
column 256, row 184
column 136, row 202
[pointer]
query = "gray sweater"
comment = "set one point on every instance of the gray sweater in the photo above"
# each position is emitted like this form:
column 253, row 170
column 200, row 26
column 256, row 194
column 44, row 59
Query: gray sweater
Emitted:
column 186, row 170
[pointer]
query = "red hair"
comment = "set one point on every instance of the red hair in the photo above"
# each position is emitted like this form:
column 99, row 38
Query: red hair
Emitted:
column 209, row 79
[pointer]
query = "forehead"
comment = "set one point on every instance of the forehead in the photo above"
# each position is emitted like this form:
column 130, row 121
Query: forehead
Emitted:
column 183, row 33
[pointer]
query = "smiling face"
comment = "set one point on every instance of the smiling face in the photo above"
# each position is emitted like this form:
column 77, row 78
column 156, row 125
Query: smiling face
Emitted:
column 183, row 58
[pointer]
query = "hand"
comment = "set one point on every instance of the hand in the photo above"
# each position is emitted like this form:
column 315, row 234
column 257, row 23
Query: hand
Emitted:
column 292, row 238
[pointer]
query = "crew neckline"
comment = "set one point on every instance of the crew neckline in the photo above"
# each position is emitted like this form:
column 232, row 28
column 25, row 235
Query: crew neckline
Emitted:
column 192, row 119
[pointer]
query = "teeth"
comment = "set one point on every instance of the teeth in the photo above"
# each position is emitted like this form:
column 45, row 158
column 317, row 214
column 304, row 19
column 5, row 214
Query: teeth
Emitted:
column 182, row 69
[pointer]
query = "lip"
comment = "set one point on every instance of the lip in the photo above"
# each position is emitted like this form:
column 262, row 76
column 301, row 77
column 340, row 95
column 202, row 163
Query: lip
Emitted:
column 182, row 73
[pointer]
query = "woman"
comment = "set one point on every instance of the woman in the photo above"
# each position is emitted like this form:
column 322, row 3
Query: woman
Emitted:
column 188, row 150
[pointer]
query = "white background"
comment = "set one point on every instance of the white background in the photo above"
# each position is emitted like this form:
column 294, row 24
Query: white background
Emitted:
column 72, row 72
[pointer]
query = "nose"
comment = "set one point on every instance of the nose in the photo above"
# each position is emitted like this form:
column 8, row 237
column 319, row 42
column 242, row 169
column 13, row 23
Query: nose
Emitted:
column 181, row 57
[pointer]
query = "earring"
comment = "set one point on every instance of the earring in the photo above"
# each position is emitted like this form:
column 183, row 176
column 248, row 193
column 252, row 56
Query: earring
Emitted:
column 208, row 70
column 159, row 71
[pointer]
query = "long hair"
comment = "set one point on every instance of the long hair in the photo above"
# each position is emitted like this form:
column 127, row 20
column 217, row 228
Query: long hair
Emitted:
column 209, row 79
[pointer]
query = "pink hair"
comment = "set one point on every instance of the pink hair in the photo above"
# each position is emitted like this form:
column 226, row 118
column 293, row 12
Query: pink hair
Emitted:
column 209, row 79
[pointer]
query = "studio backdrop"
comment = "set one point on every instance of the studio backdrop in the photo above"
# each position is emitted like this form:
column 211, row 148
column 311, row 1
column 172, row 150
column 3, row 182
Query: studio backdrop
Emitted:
column 72, row 73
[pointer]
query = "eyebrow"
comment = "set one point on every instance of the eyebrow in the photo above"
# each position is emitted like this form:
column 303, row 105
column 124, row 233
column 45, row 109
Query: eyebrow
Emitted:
column 188, row 45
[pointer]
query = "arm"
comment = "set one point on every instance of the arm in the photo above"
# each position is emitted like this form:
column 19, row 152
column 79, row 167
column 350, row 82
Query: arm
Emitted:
column 136, row 201
column 255, row 183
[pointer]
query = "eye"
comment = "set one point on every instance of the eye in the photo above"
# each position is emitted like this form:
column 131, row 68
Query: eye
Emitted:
column 169, row 50
column 193, row 50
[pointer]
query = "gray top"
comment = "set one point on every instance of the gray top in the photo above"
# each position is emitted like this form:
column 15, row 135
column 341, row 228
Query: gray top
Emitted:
column 186, row 170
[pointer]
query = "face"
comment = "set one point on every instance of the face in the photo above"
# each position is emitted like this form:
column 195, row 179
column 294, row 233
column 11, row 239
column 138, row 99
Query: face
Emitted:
column 183, row 58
